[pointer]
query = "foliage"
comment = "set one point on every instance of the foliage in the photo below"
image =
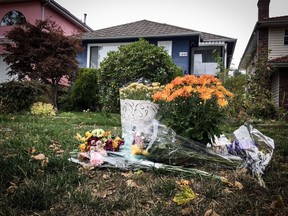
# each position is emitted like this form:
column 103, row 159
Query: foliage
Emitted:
column 130, row 63
column 42, row 52
column 237, row 84
column 85, row 92
column 139, row 91
column 18, row 96
column 44, row 109
column 194, row 106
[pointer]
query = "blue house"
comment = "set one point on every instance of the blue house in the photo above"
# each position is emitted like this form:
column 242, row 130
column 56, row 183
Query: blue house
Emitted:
column 190, row 50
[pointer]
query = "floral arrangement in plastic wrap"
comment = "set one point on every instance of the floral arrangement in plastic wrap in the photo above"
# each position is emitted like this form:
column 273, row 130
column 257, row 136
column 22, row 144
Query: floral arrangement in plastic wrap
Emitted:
column 140, row 91
column 193, row 106
column 138, row 113
column 95, row 145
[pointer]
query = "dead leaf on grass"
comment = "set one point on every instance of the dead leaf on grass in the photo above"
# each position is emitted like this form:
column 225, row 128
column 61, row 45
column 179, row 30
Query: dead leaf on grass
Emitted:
column 227, row 191
column 105, row 176
column 31, row 150
column 278, row 203
column 186, row 211
column 238, row 185
column 211, row 212
column 38, row 157
column 132, row 184
column 11, row 189
column 127, row 175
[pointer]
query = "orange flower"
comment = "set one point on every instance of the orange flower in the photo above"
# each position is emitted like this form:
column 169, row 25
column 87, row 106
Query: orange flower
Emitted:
column 177, row 81
column 222, row 102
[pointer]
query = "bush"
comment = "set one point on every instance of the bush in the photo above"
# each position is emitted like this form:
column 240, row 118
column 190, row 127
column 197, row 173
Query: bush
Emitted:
column 238, row 85
column 85, row 92
column 130, row 63
column 45, row 109
column 17, row 96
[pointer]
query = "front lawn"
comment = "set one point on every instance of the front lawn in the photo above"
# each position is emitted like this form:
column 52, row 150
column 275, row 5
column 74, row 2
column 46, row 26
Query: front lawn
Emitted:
column 56, row 186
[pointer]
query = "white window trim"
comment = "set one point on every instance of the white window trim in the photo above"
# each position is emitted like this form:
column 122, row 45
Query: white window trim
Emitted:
column 99, row 44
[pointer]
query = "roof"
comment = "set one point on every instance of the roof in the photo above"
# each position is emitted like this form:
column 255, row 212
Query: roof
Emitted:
column 146, row 28
column 67, row 14
column 283, row 59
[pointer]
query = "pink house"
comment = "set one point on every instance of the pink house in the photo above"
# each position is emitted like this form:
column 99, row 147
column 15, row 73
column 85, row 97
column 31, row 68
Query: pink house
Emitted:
column 14, row 12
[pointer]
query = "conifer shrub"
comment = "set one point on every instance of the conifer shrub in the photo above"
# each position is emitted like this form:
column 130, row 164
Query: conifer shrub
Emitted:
column 85, row 92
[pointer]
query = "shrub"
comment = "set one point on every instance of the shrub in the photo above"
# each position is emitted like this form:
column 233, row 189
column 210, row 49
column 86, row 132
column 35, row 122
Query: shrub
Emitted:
column 40, row 108
column 17, row 96
column 130, row 63
column 238, row 85
column 85, row 92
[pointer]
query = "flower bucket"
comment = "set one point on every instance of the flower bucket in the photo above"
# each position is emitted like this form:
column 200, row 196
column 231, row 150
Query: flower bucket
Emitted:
column 137, row 116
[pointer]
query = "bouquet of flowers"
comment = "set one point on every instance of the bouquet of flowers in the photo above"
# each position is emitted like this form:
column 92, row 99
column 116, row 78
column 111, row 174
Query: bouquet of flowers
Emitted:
column 140, row 90
column 96, row 143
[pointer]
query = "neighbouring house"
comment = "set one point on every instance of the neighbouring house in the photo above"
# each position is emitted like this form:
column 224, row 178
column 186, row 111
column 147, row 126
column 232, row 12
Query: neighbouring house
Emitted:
column 190, row 50
column 269, row 41
column 17, row 12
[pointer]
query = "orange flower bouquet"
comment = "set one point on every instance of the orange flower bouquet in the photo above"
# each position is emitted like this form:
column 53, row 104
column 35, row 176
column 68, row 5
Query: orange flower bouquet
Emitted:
column 193, row 106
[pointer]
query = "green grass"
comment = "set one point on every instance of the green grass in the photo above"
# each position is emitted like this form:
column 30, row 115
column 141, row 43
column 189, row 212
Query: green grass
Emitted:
column 64, row 188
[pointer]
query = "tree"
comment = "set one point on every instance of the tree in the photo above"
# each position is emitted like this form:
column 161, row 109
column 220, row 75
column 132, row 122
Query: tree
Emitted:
column 42, row 52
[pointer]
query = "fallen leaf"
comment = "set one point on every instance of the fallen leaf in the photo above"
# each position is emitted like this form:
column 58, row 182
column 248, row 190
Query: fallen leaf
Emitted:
column 186, row 211
column 211, row 212
column 131, row 183
column 227, row 191
column 38, row 157
column 183, row 182
column 106, row 176
column 127, row 175
column 184, row 196
column 11, row 189
column 238, row 185
column 279, row 203
column 60, row 151
column 44, row 162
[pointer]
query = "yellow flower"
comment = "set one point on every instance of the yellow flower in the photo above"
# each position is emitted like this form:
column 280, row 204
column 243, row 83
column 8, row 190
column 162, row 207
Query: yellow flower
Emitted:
column 88, row 135
column 82, row 147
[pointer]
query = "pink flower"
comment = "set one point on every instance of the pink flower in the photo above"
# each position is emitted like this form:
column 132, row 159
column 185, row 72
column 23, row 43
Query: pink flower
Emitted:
column 96, row 158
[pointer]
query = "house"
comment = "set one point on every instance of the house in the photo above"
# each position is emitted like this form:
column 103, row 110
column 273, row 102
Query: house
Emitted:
column 17, row 12
column 190, row 50
column 269, row 41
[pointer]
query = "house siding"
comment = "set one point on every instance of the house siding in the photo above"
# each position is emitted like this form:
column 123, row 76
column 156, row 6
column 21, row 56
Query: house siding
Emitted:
column 283, row 87
column 275, row 88
column 276, row 43
column 182, row 61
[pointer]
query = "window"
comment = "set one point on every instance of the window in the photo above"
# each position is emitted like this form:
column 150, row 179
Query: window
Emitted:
column 167, row 46
column 203, row 62
column 97, row 53
column 206, row 55
column 13, row 18
column 286, row 37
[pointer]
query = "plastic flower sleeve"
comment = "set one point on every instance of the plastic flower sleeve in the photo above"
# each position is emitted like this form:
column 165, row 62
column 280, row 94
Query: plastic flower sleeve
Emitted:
column 255, row 148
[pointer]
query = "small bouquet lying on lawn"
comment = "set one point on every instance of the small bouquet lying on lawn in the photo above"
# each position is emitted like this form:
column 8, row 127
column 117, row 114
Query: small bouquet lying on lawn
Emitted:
column 96, row 143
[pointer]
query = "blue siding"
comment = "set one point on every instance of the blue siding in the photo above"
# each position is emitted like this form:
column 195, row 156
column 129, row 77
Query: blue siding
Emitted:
column 181, row 46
